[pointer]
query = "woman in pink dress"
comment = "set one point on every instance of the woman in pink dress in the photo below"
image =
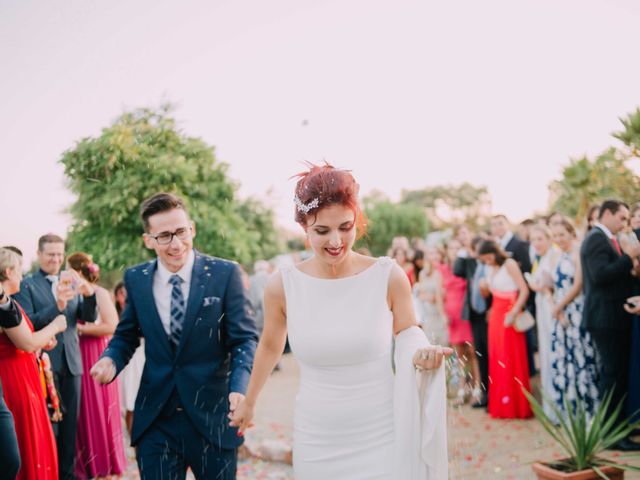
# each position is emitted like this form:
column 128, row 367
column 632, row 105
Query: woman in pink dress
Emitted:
column 460, row 336
column 100, row 444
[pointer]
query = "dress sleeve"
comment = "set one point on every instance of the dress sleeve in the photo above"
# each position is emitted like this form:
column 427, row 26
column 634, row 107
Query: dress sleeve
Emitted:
column 420, row 413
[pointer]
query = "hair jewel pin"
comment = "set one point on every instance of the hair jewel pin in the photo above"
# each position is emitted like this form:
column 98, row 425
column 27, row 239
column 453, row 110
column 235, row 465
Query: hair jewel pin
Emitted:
column 93, row 268
column 306, row 207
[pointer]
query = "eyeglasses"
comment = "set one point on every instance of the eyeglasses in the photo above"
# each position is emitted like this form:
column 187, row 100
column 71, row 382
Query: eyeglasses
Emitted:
column 165, row 238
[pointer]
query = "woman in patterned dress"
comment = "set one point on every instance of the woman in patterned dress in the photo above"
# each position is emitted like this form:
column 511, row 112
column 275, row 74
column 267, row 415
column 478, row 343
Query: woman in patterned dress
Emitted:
column 573, row 356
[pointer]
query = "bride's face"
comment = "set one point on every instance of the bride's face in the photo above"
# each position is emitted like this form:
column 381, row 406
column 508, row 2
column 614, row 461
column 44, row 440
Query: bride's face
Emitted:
column 332, row 234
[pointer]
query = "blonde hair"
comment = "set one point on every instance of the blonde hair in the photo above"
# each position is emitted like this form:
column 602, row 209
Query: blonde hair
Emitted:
column 8, row 260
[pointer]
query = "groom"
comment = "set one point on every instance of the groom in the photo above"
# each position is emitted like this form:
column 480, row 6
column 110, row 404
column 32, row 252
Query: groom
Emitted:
column 200, row 338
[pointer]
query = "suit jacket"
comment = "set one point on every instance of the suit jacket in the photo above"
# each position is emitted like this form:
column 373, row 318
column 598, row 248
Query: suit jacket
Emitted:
column 465, row 267
column 519, row 250
column 37, row 300
column 607, row 284
column 214, row 356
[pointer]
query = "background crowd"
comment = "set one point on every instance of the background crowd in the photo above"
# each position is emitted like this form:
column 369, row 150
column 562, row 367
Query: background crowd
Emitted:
column 472, row 290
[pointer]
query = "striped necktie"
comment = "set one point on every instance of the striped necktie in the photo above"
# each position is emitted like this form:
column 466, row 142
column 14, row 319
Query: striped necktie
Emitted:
column 177, row 310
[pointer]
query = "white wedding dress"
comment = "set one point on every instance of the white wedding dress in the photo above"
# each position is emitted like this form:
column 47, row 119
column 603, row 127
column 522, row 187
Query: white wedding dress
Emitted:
column 340, row 331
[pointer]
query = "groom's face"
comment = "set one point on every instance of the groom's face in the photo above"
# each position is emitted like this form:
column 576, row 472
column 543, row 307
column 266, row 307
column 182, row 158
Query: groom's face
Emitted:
column 173, row 255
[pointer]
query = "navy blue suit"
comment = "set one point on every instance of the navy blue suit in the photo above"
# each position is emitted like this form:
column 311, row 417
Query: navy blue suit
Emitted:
column 213, row 358
column 37, row 300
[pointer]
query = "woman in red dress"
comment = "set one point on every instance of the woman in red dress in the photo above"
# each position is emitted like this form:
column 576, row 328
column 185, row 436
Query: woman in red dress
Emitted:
column 508, row 364
column 21, row 380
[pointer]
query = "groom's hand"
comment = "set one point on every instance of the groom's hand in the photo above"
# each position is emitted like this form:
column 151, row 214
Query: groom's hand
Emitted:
column 104, row 370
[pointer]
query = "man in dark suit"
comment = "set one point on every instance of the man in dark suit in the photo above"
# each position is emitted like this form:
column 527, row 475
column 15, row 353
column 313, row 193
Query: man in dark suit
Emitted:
column 519, row 251
column 200, row 339
column 475, row 309
column 607, row 267
column 42, row 305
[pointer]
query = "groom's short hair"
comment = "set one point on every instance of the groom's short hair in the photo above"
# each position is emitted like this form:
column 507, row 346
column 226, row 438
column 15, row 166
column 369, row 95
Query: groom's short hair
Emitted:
column 158, row 203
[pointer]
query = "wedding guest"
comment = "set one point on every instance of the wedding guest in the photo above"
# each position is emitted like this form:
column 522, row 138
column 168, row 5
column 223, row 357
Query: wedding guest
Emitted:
column 607, row 266
column 592, row 217
column 541, row 282
column 518, row 250
column 475, row 308
column 574, row 372
column 99, row 446
column 21, row 379
column 401, row 256
column 428, row 296
column 418, row 262
column 508, row 365
column 38, row 298
column 460, row 336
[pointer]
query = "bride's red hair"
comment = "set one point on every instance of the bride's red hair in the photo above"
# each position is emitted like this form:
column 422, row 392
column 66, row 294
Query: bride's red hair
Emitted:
column 330, row 186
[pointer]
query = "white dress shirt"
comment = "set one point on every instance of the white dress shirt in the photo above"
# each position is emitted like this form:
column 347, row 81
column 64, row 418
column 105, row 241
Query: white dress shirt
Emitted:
column 162, row 289
column 606, row 231
column 504, row 241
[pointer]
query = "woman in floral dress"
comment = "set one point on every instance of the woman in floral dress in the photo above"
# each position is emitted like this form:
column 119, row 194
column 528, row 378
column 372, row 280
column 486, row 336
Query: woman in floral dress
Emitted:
column 573, row 356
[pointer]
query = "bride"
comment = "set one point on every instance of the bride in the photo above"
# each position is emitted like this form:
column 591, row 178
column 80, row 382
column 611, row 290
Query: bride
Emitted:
column 358, row 415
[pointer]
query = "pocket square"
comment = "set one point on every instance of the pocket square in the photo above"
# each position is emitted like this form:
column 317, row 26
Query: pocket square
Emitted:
column 210, row 301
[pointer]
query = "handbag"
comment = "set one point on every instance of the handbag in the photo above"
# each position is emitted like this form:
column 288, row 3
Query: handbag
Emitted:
column 524, row 321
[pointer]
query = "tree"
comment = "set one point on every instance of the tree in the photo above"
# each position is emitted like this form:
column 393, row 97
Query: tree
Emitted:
column 446, row 205
column 586, row 182
column 630, row 136
column 140, row 154
column 387, row 220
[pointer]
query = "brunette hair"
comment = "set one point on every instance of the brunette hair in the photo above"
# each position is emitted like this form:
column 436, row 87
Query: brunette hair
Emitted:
column 568, row 226
column 593, row 208
column 612, row 205
column 48, row 238
column 158, row 203
column 491, row 247
column 83, row 264
column 325, row 185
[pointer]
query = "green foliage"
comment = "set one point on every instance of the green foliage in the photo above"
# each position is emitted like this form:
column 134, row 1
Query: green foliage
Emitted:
column 586, row 182
column 143, row 153
column 630, row 136
column 387, row 220
column 581, row 437
column 447, row 205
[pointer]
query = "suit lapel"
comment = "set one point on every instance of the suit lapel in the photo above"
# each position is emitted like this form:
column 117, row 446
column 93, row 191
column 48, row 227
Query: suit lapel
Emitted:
column 148, row 304
column 199, row 279
column 44, row 285
column 610, row 242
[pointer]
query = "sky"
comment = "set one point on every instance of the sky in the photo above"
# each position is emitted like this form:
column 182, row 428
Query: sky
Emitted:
column 404, row 93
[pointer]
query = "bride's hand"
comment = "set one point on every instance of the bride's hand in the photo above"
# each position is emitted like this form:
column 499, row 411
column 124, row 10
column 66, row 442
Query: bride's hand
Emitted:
column 430, row 358
column 242, row 417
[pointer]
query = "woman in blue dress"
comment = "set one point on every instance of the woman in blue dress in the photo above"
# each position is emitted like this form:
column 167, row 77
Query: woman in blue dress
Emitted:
column 573, row 356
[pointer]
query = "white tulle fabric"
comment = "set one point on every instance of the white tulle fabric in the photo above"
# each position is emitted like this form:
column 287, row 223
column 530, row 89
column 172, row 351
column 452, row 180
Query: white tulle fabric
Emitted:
column 354, row 419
